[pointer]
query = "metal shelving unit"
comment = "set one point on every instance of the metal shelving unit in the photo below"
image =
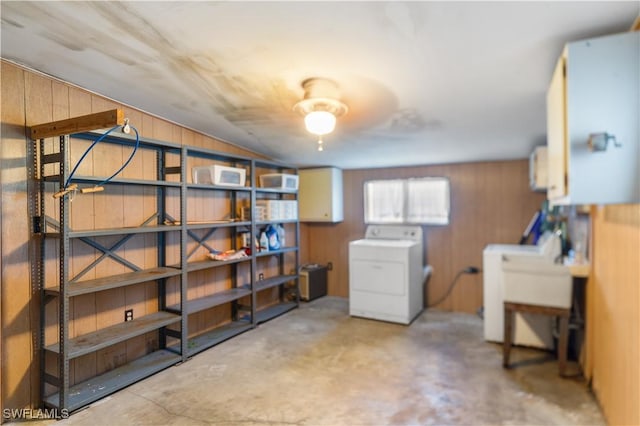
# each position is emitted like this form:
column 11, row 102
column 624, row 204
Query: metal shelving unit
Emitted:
column 170, row 320
column 229, row 225
column 52, row 175
column 285, row 281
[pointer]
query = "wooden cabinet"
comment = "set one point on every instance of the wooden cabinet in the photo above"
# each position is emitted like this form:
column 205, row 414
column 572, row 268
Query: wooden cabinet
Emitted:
column 593, row 131
column 321, row 195
column 126, row 281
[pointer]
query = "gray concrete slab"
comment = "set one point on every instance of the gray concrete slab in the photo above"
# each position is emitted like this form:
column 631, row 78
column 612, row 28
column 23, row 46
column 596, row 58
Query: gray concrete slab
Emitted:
column 318, row 366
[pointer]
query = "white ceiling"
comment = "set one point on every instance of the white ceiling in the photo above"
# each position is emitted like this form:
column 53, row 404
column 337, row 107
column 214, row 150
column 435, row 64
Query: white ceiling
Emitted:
column 425, row 82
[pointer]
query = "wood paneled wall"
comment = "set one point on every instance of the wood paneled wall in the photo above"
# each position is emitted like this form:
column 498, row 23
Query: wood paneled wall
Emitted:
column 490, row 203
column 18, row 305
column 30, row 98
column 613, row 312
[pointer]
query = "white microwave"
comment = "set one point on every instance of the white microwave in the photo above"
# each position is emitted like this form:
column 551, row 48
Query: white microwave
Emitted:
column 219, row 175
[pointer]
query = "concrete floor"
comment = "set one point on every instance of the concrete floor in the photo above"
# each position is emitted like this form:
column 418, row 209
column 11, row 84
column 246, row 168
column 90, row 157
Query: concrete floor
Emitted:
column 318, row 366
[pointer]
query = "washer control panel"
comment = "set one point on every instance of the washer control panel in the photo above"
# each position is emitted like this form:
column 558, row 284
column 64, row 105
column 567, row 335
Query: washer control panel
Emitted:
column 394, row 232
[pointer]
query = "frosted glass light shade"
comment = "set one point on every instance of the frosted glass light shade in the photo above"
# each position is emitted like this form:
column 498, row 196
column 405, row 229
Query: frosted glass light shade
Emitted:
column 320, row 122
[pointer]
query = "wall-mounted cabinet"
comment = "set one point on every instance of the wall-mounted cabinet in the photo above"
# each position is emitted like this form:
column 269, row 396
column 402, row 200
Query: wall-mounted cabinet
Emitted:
column 593, row 131
column 128, row 286
column 321, row 195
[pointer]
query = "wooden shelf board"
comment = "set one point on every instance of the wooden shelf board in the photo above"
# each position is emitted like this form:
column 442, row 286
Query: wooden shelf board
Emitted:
column 220, row 334
column 117, row 333
column 217, row 224
column 122, row 231
column 200, row 304
column 120, row 280
column 273, row 281
column 276, row 221
column 274, row 252
column 100, row 386
column 218, row 187
column 126, row 181
column 206, row 264
column 277, row 191
column 273, row 311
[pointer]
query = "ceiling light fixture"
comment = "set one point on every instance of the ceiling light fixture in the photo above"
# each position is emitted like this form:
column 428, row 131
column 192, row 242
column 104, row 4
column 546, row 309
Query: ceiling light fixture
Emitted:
column 320, row 107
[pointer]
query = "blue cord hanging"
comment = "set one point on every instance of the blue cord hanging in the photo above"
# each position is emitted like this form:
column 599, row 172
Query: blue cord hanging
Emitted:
column 135, row 148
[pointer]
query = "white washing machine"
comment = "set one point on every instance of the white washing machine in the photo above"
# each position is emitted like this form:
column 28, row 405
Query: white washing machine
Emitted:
column 386, row 274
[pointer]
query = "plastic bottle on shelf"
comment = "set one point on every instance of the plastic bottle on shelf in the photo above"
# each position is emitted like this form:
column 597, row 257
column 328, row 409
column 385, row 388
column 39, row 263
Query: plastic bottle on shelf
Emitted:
column 264, row 242
column 272, row 237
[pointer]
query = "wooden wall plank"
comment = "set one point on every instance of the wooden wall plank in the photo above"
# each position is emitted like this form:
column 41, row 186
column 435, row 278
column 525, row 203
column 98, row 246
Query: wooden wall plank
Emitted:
column 82, row 206
column 144, row 124
column 109, row 212
column 39, row 108
column 17, row 360
column 614, row 303
column 134, row 199
column 163, row 130
column 83, row 308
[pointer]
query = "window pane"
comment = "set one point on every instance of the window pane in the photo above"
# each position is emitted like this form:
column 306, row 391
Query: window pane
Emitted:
column 384, row 201
column 428, row 201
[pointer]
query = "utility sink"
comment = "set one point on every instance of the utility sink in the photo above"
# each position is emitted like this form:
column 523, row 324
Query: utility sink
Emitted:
column 537, row 282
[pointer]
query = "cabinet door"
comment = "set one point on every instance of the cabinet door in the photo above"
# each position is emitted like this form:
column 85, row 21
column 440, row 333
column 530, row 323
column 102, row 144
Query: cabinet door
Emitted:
column 603, row 96
column 556, row 134
column 320, row 195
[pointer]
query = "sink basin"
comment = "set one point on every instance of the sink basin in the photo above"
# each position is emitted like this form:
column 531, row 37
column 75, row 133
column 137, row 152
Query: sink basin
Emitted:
column 537, row 283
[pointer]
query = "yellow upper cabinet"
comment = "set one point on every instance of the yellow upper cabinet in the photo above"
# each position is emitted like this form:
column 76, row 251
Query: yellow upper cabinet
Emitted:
column 593, row 122
column 320, row 195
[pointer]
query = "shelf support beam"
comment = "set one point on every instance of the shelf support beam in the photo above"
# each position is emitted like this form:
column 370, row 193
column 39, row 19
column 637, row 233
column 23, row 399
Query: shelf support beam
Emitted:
column 201, row 241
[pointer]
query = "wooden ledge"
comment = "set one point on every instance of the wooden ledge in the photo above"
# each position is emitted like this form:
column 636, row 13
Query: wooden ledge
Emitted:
column 85, row 123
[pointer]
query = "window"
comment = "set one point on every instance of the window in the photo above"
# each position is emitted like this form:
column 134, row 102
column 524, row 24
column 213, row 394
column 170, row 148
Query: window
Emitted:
column 407, row 201
column 384, row 201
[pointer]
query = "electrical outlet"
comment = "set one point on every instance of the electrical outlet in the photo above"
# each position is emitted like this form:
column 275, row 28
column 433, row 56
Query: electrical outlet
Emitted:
column 329, row 266
column 128, row 315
